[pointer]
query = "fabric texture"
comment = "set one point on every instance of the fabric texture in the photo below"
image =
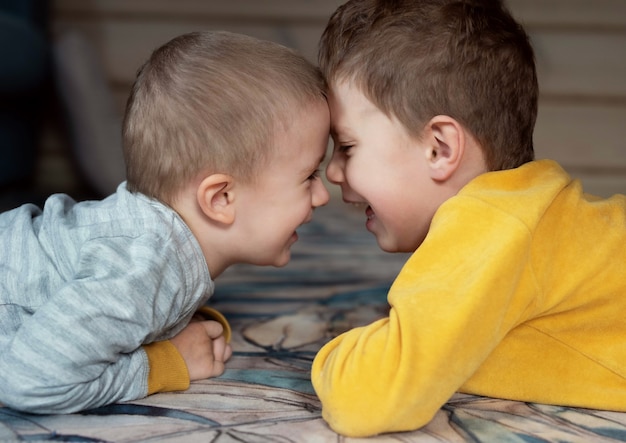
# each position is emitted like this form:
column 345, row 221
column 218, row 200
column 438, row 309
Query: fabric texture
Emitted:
column 518, row 292
column 82, row 287
column 338, row 279
column 168, row 371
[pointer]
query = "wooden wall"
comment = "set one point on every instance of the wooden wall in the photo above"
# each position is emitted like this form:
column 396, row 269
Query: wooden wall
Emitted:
column 580, row 47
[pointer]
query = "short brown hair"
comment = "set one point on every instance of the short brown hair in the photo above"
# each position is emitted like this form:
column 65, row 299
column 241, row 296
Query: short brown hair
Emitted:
column 211, row 101
column 415, row 59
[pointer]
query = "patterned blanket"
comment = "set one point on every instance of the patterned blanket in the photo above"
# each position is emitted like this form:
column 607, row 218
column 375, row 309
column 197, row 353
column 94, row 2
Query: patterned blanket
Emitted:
column 337, row 279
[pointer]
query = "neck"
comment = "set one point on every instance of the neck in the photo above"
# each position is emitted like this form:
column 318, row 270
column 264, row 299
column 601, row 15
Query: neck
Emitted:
column 472, row 166
column 207, row 233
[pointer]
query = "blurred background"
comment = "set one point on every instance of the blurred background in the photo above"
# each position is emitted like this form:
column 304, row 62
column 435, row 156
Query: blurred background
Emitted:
column 66, row 67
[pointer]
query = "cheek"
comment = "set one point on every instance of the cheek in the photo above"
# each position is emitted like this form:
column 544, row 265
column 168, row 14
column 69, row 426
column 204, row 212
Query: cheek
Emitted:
column 295, row 208
column 358, row 173
column 366, row 178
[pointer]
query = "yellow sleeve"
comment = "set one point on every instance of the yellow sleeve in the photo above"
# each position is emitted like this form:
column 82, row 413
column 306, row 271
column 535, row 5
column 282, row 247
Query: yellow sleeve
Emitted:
column 450, row 308
column 168, row 371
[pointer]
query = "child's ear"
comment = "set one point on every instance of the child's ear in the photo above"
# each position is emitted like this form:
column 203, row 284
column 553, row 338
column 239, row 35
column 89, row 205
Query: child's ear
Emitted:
column 446, row 140
column 216, row 196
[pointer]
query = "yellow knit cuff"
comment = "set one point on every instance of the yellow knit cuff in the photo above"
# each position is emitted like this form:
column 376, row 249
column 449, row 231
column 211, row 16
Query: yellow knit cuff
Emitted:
column 208, row 313
column 168, row 371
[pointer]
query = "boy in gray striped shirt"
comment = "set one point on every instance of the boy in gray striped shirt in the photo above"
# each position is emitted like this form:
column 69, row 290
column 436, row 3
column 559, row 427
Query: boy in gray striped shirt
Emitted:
column 223, row 136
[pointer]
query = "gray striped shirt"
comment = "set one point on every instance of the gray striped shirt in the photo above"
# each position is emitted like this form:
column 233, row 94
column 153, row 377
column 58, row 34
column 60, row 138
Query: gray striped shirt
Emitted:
column 82, row 287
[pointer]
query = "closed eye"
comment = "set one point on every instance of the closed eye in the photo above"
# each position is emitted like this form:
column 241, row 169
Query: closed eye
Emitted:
column 343, row 149
column 315, row 175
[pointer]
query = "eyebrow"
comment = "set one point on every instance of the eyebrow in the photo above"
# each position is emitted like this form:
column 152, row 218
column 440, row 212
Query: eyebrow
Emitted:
column 308, row 169
column 323, row 156
column 343, row 131
column 333, row 130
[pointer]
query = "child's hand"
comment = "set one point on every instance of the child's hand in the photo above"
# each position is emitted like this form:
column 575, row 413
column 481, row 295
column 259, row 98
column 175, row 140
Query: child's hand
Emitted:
column 204, row 349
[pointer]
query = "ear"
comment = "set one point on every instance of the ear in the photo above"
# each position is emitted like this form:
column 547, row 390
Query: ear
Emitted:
column 446, row 146
column 216, row 196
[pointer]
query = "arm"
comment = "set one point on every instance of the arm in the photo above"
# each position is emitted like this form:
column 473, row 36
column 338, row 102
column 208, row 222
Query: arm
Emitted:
column 83, row 348
column 453, row 302
column 204, row 349
column 199, row 351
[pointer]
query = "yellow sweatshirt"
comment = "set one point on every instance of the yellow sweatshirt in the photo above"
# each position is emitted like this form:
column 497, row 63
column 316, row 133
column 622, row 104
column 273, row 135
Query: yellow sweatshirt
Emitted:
column 518, row 292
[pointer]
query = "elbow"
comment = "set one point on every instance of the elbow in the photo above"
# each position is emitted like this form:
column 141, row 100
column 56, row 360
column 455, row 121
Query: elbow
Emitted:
column 363, row 388
column 35, row 400
column 354, row 421
column 369, row 418
column 362, row 408
column 18, row 398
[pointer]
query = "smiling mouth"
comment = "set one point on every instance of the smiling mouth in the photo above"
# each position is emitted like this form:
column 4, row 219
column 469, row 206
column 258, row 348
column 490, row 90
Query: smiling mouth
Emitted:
column 356, row 205
column 308, row 220
column 369, row 212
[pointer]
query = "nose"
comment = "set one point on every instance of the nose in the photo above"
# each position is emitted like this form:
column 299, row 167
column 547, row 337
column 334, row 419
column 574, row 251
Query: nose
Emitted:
column 334, row 169
column 320, row 194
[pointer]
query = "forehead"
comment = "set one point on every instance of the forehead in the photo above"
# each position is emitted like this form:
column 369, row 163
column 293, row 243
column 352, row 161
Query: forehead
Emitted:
column 303, row 139
column 349, row 106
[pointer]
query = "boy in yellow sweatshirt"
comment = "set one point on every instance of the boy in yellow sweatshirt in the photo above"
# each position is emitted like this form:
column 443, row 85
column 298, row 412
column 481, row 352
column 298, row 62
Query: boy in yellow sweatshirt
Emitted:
column 516, row 287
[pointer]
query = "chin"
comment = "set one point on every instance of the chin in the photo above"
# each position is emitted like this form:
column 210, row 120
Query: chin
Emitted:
column 393, row 247
column 385, row 245
column 387, row 249
column 282, row 260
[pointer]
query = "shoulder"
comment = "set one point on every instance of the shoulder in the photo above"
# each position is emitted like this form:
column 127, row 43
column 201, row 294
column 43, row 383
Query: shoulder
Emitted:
column 125, row 225
column 524, row 193
column 540, row 177
column 122, row 214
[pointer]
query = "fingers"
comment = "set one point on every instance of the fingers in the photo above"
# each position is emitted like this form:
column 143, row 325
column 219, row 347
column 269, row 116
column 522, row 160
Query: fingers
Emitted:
column 222, row 351
column 209, row 313
column 218, row 364
column 228, row 352
column 204, row 349
column 213, row 329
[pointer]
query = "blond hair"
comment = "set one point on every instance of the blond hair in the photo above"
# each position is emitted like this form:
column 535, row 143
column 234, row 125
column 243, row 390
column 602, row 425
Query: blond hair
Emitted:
column 211, row 102
column 468, row 59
